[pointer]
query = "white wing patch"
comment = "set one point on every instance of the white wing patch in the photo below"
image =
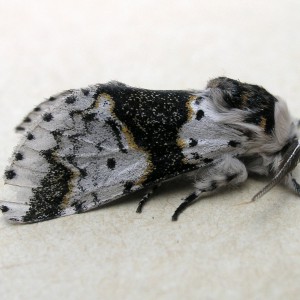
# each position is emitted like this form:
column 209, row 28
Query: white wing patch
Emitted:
column 98, row 155
column 202, row 139
column 36, row 113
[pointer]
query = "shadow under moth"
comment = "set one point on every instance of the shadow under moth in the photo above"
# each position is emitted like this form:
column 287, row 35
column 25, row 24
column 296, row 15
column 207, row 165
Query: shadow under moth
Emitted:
column 86, row 147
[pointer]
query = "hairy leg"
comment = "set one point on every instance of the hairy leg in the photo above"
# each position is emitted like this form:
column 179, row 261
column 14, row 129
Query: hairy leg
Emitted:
column 226, row 171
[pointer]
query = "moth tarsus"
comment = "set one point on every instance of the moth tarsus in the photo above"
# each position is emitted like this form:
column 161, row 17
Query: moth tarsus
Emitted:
column 84, row 148
column 146, row 198
column 186, row 202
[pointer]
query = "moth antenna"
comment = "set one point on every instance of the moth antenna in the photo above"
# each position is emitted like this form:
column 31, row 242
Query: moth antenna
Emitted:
column 289, row 162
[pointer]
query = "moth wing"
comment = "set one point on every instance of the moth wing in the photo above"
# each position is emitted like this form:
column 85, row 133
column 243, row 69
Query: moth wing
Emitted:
column 204, row 138
column 75, row 156
column 46, row 105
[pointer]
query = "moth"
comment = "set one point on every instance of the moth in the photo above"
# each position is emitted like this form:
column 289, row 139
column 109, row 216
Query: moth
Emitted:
column 86, row 147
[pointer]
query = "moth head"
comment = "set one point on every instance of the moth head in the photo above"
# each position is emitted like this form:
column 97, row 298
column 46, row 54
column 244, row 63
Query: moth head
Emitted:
column 288, row 157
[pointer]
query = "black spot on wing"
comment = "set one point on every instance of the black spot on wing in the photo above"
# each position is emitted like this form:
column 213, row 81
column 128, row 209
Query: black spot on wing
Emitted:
column 4, row 208
column 70, row 99
column 20, row 128
column 200, row 114
column 37, row 109
column 83, row 172
column 30, row 136
column 111, row 163
column 10, row 174
column 19, row 156
column 27, row 120
column 47, row 117
column 193, row 143
column 52, row 98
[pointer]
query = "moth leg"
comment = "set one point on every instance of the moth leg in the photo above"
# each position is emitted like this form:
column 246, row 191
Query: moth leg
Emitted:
column 146, row 198
column 227, row 171
column 186, row 202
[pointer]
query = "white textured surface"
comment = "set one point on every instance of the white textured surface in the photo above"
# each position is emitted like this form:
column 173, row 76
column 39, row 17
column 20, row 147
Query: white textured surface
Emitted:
column 217, row 249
